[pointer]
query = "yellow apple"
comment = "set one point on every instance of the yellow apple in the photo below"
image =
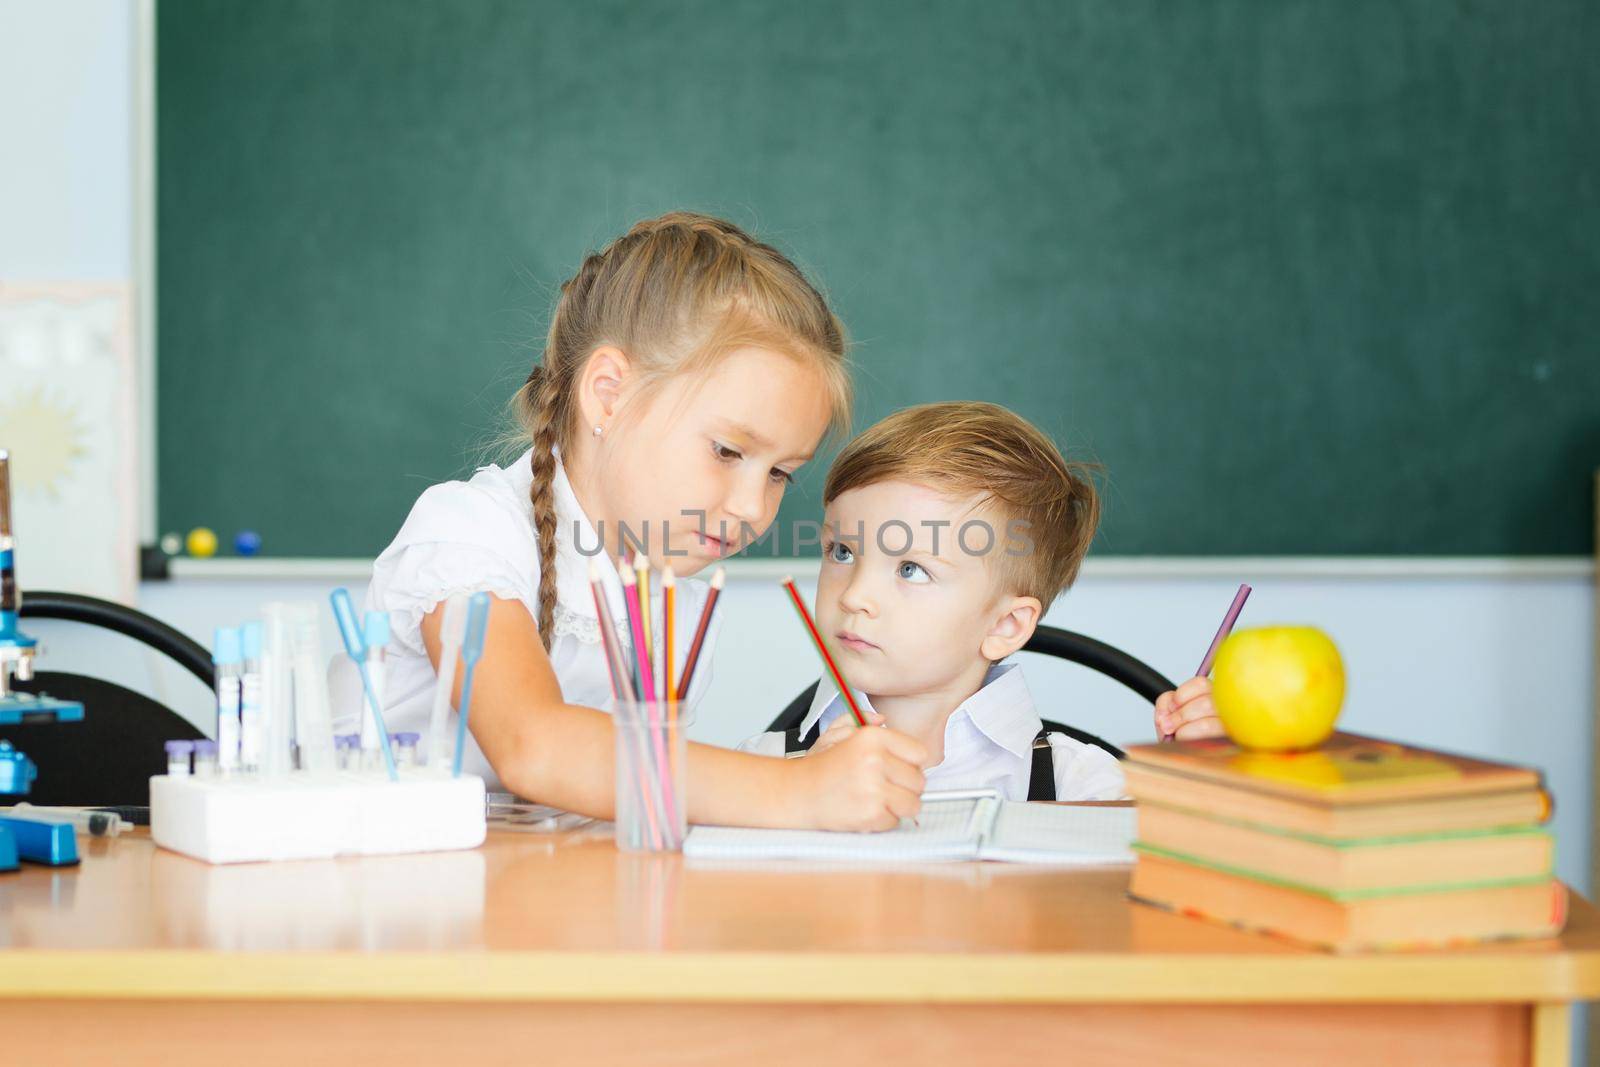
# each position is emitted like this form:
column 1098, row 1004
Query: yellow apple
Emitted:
column 1278, row 688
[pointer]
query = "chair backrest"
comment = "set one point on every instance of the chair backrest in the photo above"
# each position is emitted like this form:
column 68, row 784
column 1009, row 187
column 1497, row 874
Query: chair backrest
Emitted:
column 1114, row 663
column 146, row 629
column 108, row 757
column 1108, row 660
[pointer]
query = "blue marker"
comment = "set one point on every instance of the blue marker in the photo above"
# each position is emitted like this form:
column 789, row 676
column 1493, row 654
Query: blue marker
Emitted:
column 471, row 651
column 345, row 614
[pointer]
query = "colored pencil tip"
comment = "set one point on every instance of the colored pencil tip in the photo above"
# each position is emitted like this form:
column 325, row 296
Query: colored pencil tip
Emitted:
column 667, row 577
column 627, row 576
column 594, row 571
column 718, row 578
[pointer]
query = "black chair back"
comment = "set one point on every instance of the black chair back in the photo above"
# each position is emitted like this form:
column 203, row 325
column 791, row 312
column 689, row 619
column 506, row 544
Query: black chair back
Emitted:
column 107, row 758
column 1108, row 660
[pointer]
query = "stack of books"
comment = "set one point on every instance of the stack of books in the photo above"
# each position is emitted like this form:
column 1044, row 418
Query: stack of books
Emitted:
column 1358, row 844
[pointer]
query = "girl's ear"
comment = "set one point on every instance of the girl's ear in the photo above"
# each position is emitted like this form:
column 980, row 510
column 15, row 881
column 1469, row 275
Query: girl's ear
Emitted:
column 601, row 385
column 1018, row 617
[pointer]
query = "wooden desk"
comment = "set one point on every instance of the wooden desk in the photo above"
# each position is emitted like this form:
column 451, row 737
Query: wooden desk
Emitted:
column 551, row 948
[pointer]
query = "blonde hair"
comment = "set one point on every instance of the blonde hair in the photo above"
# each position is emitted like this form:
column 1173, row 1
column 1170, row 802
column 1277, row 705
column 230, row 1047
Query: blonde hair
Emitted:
column 676, row 294
column 966, row 448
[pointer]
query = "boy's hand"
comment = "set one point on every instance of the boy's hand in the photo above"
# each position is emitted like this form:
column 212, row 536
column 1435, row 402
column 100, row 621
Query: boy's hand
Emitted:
column 1186, row 713
column 867, row 780
column 842, row 728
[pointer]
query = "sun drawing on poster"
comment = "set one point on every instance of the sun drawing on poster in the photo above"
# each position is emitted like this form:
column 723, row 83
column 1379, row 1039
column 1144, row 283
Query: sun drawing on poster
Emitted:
column 44, row 439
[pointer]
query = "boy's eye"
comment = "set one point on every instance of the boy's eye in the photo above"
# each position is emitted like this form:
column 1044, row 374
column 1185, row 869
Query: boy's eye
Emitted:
column 912, row 572
column 782, row 476
column 724, row 453
column 838, row 552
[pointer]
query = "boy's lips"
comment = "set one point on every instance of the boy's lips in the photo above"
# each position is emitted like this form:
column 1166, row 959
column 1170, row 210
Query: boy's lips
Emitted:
column 854, row 642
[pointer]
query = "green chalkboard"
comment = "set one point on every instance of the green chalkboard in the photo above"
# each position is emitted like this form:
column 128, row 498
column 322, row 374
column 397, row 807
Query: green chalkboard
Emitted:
column 1307, row 278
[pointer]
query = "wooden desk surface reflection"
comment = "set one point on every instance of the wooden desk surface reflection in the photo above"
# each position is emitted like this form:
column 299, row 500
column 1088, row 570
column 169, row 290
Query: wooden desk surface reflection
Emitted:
column 567, row 920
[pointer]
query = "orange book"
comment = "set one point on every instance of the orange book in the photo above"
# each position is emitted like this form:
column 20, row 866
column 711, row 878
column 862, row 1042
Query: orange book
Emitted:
column 1345, row 769
column 1421, row 918
column 1386, row 863
column 1475, row 811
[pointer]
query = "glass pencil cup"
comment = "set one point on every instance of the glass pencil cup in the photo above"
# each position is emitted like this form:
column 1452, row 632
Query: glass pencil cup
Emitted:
column 652, row 763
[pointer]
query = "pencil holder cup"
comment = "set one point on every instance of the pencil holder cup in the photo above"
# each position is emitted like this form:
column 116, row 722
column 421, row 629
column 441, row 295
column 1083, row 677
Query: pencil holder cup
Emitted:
column 651, row 767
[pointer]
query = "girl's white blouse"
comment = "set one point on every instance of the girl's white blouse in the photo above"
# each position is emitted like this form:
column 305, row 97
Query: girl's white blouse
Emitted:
column 463, row 537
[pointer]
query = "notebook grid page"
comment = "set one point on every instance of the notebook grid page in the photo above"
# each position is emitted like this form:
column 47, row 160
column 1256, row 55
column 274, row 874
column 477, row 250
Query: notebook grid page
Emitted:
column 1055, row 833
column 946, row 830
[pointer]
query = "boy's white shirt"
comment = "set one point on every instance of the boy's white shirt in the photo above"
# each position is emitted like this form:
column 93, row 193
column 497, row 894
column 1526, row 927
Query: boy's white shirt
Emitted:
column 478, row 535
column 988, row 742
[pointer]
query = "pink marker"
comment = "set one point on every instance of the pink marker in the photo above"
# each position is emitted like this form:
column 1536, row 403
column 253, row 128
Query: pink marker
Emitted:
column 1222, row 635
column 1224, row 630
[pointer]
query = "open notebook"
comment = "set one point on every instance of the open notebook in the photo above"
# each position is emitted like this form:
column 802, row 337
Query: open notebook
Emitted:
column 954, row 825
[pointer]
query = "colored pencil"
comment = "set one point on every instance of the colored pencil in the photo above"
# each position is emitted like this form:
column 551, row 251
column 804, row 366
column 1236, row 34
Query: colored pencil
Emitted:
column 648, row 783
column 1222, row 635
column 647, row 690
column 693, row 658
column 621, row 683
column 641, row 653
column 1224, row 630
column 669, row 584
column 641, row 570
column 833, row 668
column 669, row 589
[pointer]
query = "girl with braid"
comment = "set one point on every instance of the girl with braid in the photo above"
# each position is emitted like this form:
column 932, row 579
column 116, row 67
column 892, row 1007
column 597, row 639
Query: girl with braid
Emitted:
column 689, row 371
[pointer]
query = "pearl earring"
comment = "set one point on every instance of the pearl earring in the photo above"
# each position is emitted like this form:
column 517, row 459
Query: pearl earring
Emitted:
column 597, row 431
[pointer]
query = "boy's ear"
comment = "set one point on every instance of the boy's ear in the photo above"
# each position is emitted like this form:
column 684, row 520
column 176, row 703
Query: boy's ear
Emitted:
column 601, row 385
column 1017, row 618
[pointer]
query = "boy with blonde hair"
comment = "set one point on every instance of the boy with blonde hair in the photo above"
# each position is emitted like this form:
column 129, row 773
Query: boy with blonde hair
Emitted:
column 950, row 528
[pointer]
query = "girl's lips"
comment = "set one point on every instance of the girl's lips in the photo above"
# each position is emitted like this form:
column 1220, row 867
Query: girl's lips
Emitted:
column 715, row 544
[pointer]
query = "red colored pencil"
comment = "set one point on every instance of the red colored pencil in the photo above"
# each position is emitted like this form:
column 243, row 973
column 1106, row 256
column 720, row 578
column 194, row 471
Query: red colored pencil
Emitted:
column 833, row 668
column 700, row 634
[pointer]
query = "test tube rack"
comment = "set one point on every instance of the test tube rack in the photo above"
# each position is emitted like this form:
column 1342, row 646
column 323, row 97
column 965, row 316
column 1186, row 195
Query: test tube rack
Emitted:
column 315, row 815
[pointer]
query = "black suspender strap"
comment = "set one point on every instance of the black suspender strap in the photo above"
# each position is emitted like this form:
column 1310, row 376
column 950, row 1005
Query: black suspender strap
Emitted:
column 794, row 744
column 1042, row 784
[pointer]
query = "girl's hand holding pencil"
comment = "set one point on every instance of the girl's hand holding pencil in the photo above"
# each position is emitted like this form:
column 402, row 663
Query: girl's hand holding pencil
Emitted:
column 1185, row 713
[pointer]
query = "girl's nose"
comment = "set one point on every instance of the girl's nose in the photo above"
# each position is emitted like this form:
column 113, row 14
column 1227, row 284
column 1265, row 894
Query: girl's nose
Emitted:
column 747, row 501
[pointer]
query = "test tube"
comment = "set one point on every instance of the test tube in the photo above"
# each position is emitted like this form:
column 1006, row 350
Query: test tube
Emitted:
column 405, row 748
column 205, row 759
column 313, row 727
column 452, row 632
column 227, row 654
column 252, row 729
column 277, row 689
column 375, row 634
column 178, row 758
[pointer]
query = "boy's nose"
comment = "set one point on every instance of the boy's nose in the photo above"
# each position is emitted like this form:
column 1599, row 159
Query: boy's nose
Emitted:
column 857, row 599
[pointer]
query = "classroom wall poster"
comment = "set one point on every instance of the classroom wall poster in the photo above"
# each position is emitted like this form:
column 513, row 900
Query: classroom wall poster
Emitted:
column 68, row 417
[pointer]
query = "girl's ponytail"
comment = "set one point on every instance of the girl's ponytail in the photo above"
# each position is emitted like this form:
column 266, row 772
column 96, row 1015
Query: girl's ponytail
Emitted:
column 540, row 400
